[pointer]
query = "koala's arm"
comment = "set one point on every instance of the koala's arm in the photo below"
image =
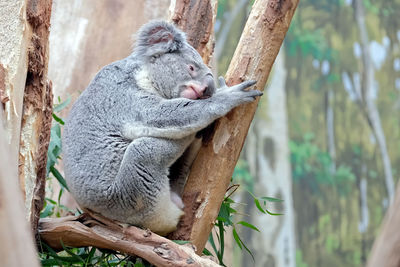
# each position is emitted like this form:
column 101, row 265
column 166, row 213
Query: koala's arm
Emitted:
column 180, row 117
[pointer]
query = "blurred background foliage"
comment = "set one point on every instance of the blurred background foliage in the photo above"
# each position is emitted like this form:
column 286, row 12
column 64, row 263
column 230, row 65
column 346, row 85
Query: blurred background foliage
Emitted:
column 339, row 181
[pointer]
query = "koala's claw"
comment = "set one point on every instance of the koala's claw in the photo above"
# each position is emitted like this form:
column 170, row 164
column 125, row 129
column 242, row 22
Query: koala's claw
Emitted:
column 247, row 84
column 222, row 82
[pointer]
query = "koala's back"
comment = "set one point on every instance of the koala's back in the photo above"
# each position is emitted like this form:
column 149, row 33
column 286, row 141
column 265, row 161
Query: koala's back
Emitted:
column 93, row 144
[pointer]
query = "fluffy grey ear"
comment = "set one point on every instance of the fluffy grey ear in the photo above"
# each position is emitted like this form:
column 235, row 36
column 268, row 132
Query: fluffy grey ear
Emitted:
column 158, row 37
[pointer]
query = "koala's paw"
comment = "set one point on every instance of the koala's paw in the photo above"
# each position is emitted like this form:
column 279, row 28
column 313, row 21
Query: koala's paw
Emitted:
column 239, row 92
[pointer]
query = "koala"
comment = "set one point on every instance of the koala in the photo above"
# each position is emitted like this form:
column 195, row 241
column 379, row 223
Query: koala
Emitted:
column 135, row 120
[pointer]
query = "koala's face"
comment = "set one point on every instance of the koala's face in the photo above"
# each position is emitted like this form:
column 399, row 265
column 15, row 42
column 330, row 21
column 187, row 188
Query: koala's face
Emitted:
column 172, row 67
column 181, row 73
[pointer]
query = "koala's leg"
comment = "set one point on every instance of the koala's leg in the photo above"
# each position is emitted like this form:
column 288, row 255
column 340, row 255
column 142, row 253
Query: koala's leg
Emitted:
column 142, row 188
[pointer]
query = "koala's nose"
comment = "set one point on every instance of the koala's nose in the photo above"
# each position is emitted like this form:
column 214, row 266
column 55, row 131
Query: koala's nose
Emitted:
column 209, row 88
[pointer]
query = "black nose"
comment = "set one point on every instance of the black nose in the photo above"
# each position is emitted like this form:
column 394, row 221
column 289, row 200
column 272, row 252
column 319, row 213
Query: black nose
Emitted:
column 210, row 85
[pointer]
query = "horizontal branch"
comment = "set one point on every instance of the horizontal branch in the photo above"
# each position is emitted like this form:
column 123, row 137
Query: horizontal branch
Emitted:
column 97, row 231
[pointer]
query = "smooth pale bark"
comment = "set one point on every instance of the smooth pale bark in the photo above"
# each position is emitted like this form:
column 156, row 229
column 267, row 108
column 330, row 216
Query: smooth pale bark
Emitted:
column 268, row 155
column 17, row 246
column 212, row 170
column 37, row 112
column 14, row 42
column 97, row 231
column 368, row 102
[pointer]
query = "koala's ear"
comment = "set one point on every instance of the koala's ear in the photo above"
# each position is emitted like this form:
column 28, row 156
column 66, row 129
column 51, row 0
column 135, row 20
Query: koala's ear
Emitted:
column 158, row 37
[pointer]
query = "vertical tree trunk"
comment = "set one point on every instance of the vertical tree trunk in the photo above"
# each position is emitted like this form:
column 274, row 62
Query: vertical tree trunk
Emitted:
column 212, row 170
column 330, row 129
column 269, row 163
column 37, row 112
column 26, row 94
column 367, row 88
column 14, row 43
column 17, row 247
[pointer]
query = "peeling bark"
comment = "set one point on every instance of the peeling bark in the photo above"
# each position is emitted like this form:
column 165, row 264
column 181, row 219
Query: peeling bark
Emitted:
column 212, row 170
column 37, row 112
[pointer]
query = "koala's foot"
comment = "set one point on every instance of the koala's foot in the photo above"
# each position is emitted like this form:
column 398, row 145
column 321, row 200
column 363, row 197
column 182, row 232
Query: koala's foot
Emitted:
column 166, row 215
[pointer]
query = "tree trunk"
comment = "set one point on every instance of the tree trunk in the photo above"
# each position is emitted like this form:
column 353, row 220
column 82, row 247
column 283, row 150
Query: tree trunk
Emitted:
column 268, row 157
column 212, row 170
column 367, row 89
column 37, row 112
column 14, row 42
column 17, row 246
column 26, row 94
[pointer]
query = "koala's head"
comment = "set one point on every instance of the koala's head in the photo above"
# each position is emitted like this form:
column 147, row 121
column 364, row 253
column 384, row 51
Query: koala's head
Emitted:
column 171, row 67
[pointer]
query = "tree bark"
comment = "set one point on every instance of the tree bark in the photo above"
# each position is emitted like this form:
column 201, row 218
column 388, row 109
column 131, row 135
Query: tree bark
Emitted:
column 14, row 42
column 101, row 232
column 196, row 19
column 17, row 246
column 212, row 170
column 37, row 112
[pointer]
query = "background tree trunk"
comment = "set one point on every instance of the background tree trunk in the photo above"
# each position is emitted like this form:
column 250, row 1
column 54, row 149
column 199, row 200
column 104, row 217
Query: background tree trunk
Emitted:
column 212, row 170
column 367, row 96
column 267, row 153
column 87, row 35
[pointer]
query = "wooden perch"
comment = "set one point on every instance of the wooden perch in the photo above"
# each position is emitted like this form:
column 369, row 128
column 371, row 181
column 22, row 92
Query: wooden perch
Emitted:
column 95, row 230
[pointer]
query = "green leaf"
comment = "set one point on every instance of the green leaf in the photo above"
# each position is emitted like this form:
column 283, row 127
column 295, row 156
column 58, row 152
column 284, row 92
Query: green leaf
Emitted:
column 180, row 242
column 59, row 177
column 249, row 225
column 258, row 205
column 58, row 119
column 271, row 199
column 237, row 238
column 206, row 252
column 61, row 106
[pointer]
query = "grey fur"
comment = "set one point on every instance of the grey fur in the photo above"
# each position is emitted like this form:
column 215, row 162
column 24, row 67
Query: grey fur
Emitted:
column 131, row 124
